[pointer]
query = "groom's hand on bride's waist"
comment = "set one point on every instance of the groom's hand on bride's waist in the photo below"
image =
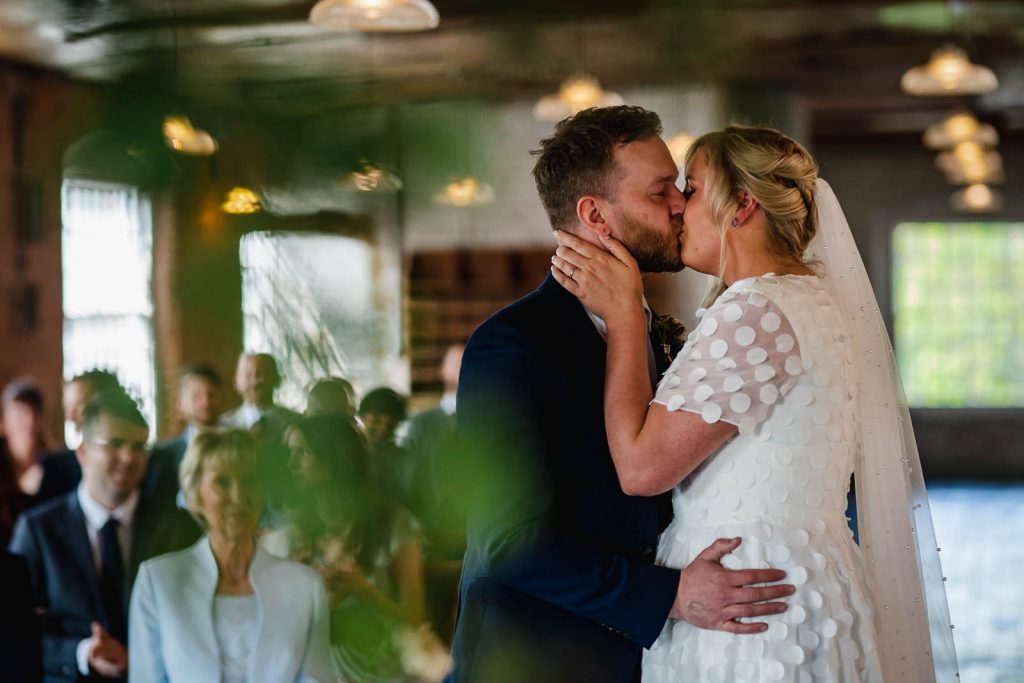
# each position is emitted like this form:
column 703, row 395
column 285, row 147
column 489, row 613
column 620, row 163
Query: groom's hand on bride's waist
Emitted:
column 713, row 597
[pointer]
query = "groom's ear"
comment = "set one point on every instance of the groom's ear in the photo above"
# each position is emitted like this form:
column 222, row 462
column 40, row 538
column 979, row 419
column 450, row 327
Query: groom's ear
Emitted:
column 588, row 210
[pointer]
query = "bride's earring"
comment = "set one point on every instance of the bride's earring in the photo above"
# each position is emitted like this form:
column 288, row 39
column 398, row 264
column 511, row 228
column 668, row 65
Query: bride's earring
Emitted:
column 735, row 222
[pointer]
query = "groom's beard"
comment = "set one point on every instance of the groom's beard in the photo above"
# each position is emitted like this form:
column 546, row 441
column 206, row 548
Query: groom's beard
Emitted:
column 654, row 253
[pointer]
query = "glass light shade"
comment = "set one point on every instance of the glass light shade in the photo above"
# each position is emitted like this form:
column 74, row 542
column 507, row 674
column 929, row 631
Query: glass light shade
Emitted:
column 678, row 146
column 182, row 137
column 960, row 127
column 977, row 198
column 575, row 94
column 240, row 200
column 371, row 178
column 465, row 192
column 969, row 163
column 949, row 72
column 375, row 16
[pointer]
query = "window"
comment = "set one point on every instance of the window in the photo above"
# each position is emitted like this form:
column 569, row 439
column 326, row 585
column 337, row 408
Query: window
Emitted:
column 107, row 254
column 958, row 315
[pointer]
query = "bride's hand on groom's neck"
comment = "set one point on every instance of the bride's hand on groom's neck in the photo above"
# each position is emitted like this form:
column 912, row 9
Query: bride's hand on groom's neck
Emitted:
column 713, row 597
column 606, row 280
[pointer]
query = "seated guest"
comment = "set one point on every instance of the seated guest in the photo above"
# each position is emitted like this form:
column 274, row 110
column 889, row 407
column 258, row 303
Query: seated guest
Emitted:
column 381, row 411
column 256, row 379
column 332, row 396
column 83, row 548
column 366, row 548
column 225, row 610
column 29, row 475
column 21, row 649
column 199, row 404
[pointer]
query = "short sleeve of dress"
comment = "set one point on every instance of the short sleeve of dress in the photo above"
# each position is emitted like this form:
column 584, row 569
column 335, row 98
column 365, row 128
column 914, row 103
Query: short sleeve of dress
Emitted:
column 741, row 360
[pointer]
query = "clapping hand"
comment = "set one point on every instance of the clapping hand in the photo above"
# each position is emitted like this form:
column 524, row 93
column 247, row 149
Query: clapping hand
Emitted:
column 713, row 597
column 106, row 655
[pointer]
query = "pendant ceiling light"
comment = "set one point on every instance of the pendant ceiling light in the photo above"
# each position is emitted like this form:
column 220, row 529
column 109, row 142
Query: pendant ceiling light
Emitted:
column 949, row 72
column 464, row 192
column 977, row 198
column 970, row 163
column 373, row 16
column 960, row 127
column 181, row 136
column 241, row 200
column 371, row 177
column 678, row 145
column 575, row 94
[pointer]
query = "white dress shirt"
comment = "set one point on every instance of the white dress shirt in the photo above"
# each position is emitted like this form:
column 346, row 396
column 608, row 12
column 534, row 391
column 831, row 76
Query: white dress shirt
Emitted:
column 602, row 329
column 96, row 516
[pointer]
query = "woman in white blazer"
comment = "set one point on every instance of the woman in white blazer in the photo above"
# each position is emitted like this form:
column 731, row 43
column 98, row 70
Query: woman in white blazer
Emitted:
column 224, row 610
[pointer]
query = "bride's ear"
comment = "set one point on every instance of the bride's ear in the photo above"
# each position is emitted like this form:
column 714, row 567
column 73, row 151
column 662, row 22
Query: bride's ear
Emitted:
column 745, row 206
column 588, row 210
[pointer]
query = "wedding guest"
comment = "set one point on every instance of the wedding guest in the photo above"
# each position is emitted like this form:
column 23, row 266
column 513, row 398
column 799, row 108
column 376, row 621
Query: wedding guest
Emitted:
column 381, row 411
column 29, row 473
column 256, row 379
column 332, row 396
column 79, row 390
column 199, row 404
column 225, row 609
column 366, row 548
column 438, row 500
column 83, row 548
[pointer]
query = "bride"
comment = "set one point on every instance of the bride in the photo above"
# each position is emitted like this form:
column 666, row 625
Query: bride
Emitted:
column 786, row 388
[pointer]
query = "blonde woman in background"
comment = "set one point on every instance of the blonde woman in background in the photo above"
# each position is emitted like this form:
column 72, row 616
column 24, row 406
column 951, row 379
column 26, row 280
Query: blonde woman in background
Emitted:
column 226, row 610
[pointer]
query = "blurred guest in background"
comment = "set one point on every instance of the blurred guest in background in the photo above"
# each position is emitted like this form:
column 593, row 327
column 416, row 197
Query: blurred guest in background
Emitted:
column 332, row 396
column 366, row 547
column 78, row 391
column 381, row 411
column 199, row 404
column 21, row 648
column 84, row 548
column 256, row 379
column 438, row 500
column 226, row 610
column 29, row 474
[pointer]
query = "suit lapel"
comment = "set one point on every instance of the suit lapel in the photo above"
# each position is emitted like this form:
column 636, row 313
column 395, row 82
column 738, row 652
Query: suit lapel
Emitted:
column 81, row 552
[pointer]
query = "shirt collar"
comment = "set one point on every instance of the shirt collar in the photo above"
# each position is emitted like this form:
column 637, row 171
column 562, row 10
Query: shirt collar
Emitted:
column 602, row 328
column 96, row 515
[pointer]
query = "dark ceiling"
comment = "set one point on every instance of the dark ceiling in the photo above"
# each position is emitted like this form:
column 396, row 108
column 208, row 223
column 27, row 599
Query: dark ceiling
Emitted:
column 844, row 57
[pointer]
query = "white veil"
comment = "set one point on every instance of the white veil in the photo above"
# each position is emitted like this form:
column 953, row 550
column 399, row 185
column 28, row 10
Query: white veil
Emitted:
column 894, row 522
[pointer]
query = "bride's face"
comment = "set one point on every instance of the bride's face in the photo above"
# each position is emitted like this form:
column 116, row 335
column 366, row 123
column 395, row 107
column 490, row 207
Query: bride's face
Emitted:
column 701, row 241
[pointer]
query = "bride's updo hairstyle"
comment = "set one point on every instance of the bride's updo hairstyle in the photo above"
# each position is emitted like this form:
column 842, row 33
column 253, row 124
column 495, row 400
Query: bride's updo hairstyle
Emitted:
column 776, row 170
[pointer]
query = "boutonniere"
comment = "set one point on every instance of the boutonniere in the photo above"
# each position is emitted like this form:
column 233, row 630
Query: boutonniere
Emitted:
column 668, row 330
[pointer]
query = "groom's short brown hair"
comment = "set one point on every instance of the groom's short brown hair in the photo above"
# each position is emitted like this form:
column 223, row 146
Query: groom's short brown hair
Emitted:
column 579, row 158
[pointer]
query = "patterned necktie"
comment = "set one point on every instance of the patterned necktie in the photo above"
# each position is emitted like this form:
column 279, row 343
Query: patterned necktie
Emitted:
column 112, row 581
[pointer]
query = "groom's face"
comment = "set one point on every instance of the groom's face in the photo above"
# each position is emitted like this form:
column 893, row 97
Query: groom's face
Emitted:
column 647, row 212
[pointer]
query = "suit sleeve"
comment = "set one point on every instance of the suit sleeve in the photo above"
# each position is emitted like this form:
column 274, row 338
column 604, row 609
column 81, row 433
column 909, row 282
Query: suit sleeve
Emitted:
column 60, row 652
column 513, row 524
column 145, row 653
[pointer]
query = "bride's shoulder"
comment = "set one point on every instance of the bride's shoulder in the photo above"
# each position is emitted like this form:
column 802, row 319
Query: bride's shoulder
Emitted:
column 770, row 286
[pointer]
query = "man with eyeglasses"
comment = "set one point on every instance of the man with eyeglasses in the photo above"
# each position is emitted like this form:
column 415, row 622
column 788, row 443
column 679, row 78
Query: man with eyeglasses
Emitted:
column 84, row 548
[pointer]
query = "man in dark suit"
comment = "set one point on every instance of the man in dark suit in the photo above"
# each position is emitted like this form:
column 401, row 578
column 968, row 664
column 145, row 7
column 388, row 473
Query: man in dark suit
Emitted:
column 83, row 549
column 199, row 404
column 559, row 582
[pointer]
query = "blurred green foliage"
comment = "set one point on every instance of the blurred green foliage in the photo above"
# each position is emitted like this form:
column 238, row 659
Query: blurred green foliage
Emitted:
column 958, row 315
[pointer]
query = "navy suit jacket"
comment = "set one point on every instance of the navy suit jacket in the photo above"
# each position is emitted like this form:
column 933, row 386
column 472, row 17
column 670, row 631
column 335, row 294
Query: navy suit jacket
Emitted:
column 558, row 580
column 161, row 480
column 55, row 544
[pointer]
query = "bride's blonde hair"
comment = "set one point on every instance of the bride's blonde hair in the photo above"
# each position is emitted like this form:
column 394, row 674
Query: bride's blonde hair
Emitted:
column 773, row 168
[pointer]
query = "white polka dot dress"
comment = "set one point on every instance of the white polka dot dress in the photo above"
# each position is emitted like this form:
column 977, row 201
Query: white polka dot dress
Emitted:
column 770, row 357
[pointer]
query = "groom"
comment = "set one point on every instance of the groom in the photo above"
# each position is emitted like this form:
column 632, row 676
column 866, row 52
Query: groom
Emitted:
column 559, row 582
